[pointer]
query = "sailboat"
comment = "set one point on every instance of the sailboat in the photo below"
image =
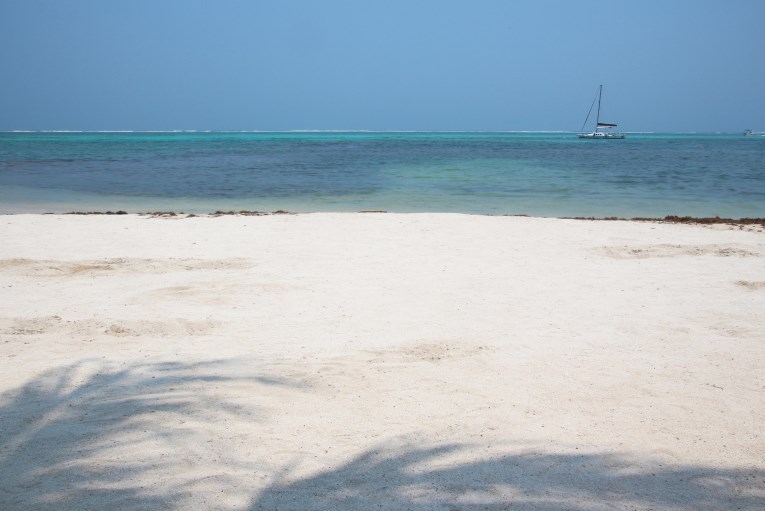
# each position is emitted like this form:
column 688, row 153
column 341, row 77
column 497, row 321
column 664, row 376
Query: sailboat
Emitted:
column 597, row 134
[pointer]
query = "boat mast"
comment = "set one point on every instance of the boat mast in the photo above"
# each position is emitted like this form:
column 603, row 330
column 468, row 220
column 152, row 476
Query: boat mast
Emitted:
column 597, row 120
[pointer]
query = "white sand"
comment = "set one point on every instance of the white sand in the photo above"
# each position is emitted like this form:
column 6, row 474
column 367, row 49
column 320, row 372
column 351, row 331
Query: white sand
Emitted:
column 365, row 361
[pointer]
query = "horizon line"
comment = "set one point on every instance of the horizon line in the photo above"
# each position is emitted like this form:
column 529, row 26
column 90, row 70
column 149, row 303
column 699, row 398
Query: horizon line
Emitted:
column 365, row 131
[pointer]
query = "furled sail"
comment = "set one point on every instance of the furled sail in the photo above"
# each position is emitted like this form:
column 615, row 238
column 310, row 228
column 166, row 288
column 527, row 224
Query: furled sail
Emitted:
column 606, row 125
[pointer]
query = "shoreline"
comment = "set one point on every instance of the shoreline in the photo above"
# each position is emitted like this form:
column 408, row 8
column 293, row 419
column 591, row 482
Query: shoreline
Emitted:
column 402, row 361
column 669, row 219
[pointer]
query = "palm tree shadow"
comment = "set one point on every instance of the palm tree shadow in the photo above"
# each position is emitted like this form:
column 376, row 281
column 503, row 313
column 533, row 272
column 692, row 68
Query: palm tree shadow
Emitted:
column 79, row 435
column 422, row 479
column 87, row 436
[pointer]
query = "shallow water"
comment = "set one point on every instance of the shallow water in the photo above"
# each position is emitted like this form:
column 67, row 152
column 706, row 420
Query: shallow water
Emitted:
column 488, row 173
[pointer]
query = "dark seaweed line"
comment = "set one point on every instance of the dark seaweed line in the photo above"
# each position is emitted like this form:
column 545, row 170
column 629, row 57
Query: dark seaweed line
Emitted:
column 672, row 219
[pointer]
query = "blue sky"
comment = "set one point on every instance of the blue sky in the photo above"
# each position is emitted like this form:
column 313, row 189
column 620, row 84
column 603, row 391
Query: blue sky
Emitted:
column 666, row 65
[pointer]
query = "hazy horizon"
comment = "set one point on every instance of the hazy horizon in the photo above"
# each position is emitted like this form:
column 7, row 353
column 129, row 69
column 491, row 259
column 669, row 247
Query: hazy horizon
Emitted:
column 360, row 131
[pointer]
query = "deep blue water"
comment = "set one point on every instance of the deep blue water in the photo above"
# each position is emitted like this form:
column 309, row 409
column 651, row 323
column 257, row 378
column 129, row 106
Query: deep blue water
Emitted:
column 492, row 173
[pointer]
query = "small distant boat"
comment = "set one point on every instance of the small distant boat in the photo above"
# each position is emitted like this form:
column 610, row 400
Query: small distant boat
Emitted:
column 597, row 134
column 750, row 133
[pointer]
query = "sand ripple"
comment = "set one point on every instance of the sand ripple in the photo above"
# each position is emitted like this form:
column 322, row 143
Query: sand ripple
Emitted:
column 102, row 267
column 669, row 250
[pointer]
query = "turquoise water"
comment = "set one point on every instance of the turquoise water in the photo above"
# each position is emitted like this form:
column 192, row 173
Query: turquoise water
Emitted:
column 488, row 173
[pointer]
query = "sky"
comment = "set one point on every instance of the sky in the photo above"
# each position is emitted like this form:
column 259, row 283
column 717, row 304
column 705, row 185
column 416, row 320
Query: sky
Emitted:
column 433, row 65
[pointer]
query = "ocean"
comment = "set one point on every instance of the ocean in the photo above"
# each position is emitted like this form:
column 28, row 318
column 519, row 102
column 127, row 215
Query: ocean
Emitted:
column 539, row 174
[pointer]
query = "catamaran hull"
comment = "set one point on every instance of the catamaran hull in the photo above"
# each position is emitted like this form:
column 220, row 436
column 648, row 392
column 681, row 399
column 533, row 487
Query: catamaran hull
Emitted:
column 600, row 136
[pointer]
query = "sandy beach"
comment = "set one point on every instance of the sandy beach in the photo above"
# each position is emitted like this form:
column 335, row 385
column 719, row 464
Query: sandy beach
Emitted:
column 380, row 361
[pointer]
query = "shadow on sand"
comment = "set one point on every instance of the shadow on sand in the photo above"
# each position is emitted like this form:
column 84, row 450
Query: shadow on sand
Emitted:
column 420, row 479
column 69, row 438
column 156, row 436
